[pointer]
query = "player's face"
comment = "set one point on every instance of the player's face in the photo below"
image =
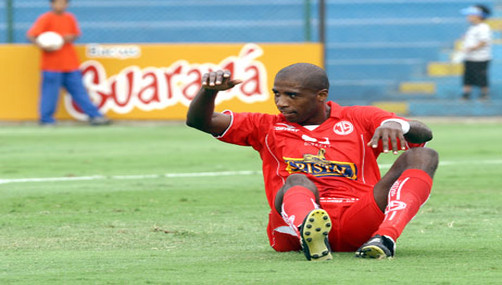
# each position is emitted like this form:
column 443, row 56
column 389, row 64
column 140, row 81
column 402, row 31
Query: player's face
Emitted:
column 299, row 105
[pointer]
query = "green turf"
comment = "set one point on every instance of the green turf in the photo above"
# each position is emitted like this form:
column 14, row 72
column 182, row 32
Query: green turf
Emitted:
column 211, row 230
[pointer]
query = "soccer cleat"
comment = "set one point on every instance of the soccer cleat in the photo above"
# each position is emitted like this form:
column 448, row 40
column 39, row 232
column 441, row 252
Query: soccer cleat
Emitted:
column 314, row 235
column 378, row 247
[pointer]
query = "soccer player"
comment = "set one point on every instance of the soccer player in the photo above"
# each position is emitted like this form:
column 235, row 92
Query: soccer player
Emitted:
column 322, row 180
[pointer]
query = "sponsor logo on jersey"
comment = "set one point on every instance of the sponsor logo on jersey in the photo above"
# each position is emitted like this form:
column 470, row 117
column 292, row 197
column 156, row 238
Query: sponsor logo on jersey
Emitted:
column 310, row 139
column 317, row 165
column 343, row 128
column 285, row 127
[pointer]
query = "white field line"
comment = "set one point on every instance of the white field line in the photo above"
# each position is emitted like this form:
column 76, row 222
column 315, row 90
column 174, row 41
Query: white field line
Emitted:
column 121, row 177
column 197, row 174
column 448, row 163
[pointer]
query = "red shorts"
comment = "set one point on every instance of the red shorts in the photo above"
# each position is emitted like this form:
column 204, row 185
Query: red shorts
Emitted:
column 354, row 222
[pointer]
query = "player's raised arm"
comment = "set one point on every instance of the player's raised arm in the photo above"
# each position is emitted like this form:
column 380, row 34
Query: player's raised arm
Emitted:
column 201, row 113
column 395, row 131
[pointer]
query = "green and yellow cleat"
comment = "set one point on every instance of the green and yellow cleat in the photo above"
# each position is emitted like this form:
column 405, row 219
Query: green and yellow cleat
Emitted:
column 314, row 235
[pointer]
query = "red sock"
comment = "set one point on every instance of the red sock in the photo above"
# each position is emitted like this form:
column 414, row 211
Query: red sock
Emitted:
column 297, row 202
column 410, row 191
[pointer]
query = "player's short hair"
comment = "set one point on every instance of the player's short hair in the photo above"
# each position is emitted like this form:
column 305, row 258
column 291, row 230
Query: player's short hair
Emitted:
column 310, row 75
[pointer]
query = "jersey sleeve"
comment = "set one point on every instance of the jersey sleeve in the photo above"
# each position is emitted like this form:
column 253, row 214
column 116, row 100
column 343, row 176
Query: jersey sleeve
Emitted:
column 247, row 129
column 38, row 27
column 372, row 117
column 75, row 29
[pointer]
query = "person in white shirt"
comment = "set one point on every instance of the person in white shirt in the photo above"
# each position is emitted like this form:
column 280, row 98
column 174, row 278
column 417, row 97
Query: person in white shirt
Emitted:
column 477, row 49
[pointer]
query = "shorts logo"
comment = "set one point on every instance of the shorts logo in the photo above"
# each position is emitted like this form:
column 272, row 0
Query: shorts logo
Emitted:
column 343, row 128
column 317, row 165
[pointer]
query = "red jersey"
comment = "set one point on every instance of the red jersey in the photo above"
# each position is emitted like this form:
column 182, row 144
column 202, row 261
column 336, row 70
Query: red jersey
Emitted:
column 66, row 58
column 335, row 155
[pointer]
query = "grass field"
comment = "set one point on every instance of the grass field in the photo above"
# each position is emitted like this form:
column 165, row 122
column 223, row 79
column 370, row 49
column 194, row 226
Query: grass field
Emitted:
column 105, row 212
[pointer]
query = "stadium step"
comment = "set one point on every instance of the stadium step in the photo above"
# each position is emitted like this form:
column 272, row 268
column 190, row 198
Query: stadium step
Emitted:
column 443, row 69
column 400, row 108
column 495, row 24
column 423, row 87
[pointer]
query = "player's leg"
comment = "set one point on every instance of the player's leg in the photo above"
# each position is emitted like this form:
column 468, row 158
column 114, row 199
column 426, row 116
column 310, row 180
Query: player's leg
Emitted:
column 356, row 223
column 298, row 203
column 466, row 92
column 51, row 84
column 483, row 80
column 467, row 80
column 280, row 235
column 72, row 81
column 400, row 194
column 485, row 93
column 297, row 185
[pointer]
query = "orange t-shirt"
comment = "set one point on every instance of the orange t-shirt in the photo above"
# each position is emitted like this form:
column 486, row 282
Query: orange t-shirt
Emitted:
column 66, row 58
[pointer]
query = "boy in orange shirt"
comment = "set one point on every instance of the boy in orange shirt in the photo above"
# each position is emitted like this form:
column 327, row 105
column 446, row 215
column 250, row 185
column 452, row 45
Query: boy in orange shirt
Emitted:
column 61, row 67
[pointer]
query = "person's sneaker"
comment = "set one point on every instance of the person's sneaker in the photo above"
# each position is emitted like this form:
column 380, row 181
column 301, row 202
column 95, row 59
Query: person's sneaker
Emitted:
column 484, row 97
column 314, row 235
column 378, row 247
column 99, row 121
column 47, row 125
column 466, row 96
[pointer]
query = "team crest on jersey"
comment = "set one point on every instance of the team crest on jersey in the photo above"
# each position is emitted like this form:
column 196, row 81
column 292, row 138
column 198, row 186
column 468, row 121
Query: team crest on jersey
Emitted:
column 343, row 128
column 319, row 166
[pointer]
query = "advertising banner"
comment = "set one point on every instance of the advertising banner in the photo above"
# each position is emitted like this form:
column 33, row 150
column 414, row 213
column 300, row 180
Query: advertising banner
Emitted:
column 154, row 81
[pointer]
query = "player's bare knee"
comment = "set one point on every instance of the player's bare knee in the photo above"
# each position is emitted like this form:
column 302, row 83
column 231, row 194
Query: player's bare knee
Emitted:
column 426, row 154
column 291, row 181
column 299, row 180
column 423, row 158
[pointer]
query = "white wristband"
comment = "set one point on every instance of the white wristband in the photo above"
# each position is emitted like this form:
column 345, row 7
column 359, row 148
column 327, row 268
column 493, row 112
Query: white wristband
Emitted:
column 405, row 126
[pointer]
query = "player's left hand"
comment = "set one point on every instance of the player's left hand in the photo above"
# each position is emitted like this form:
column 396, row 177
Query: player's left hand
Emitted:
column 390, row 131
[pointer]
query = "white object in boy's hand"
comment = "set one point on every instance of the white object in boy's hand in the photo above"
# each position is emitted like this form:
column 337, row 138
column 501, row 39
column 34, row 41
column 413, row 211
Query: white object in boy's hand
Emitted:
column 50, row 41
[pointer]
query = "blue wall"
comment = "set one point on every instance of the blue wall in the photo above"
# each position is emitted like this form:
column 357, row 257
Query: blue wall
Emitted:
column 113, row 21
